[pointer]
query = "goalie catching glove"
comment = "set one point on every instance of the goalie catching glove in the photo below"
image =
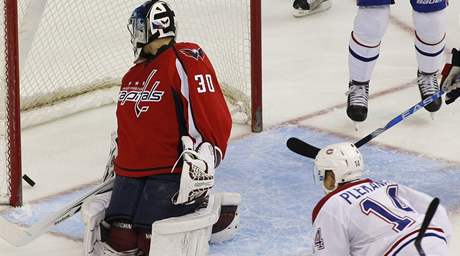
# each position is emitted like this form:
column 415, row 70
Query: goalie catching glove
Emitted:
column 451, row 78
column 197, row 176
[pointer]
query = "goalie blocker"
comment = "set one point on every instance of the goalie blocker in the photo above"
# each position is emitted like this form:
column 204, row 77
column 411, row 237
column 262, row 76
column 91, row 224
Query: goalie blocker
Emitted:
column 216, row 221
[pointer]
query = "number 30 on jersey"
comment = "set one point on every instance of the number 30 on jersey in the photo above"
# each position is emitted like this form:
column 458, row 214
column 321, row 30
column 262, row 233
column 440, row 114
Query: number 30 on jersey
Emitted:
column 204, row 83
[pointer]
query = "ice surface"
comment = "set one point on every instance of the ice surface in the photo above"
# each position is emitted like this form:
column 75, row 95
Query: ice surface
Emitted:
column 278, row 193
column 304, row 73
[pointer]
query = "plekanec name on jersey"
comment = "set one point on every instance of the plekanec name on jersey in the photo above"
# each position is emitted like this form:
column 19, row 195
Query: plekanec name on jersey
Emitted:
column 429, row 1
column 361, row 190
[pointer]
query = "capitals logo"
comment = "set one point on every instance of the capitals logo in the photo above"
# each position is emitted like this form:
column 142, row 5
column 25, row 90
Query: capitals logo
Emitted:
column 197, row 54
column 145, row 95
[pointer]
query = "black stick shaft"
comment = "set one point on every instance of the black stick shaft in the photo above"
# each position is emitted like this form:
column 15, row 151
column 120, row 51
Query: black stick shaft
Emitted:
column 426, row 222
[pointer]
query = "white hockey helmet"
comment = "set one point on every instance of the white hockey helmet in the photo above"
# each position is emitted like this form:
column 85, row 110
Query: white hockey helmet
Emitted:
column 343, row 159
column 152, row 20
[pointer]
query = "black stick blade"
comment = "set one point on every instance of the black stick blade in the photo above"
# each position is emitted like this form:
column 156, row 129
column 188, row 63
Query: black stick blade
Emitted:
column 302, row 148
column 28, row 180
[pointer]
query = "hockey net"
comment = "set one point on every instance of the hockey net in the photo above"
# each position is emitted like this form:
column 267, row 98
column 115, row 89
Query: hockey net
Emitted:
column 74, row 53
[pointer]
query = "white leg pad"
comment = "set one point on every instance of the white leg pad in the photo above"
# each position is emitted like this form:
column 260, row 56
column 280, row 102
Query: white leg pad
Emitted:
column 187, row 235
column 93, row 213
column 228, row 199
column 103, row 249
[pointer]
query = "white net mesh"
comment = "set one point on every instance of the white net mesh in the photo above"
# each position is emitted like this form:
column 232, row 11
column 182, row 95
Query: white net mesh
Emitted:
column 74, row 53
column 80, row 46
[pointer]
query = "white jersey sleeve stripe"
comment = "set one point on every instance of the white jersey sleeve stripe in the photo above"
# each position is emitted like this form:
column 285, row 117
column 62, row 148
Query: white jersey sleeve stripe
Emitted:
column 185, row 90
column 408, row 240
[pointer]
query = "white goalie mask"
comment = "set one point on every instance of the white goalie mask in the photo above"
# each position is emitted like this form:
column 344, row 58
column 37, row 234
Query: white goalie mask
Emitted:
column 343, row 159
column 152, row 20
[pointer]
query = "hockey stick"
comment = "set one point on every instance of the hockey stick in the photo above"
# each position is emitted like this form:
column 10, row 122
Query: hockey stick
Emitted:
column 302, row 148
column 426, row 221
column 17, row 236
column 399, row 118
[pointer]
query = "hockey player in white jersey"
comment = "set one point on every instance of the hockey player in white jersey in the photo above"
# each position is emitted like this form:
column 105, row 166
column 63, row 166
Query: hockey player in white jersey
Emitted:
column 370, row 25
column 308, row 7
column 451, row 78
column 363, row 217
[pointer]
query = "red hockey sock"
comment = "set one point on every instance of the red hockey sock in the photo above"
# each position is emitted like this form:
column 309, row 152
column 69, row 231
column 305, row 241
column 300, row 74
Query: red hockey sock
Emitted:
column 143, row 241
column 122, row 237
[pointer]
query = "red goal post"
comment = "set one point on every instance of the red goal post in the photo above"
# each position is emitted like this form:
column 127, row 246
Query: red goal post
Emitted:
column 70, row 55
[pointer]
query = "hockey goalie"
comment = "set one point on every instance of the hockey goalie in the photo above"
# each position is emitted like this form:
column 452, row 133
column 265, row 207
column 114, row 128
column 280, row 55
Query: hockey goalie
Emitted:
column 173, row 127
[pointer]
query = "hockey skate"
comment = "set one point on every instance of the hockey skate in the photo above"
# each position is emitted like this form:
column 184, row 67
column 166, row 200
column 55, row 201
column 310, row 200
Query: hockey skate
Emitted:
column 428, row 85
column 358, row 94
column 308, row 7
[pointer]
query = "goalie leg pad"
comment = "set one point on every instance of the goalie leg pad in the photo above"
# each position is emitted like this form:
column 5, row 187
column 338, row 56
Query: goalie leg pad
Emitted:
column 92, row 213
column 187, row 235
column 103, row 249
column 229, row 219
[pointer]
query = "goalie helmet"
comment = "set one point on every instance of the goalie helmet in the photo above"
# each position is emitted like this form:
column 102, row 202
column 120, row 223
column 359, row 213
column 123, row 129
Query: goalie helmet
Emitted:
column 343, row 159
column 152, row 20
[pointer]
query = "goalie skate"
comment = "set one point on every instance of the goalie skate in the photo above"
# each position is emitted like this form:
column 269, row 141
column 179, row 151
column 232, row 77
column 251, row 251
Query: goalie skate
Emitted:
column 307, row 7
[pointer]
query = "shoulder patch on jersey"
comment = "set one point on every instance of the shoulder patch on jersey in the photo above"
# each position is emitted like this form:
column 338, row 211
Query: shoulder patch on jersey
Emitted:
column 319, row 241
column 197, row 54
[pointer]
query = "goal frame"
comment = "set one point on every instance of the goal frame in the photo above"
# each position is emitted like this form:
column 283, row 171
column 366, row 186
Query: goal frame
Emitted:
column 13, row 107
column 12, row 62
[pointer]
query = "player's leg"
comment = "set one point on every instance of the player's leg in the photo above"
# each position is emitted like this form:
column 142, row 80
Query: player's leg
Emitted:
column 307, row 7
column 156, row 204
column 430, row 31
column 126, row 194
column 370, row 25
column 108, row 219
column 98, row 233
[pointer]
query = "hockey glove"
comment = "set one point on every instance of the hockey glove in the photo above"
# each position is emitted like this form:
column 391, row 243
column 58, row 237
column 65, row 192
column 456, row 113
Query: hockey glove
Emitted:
column 197, row 176
column 450, row 82
column 109, row 172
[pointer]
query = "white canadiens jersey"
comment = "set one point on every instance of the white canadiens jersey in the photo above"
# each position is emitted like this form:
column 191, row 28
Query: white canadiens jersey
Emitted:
column 366, row 218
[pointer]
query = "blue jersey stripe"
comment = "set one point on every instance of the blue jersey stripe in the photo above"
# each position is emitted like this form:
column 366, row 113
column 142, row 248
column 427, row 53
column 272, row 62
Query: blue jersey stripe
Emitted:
column 361, row 58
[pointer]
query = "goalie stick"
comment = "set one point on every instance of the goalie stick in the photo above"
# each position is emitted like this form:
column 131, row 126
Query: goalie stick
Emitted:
column 18, row 236
column 426, row 222
column 302, row 148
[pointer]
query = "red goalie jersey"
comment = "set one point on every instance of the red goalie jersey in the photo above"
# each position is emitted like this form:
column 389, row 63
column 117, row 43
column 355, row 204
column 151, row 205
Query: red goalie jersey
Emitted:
column 173, row 94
